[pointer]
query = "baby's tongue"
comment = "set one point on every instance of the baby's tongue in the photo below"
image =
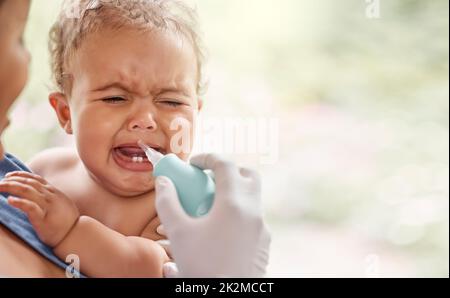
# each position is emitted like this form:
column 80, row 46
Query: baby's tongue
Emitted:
column 132, row 151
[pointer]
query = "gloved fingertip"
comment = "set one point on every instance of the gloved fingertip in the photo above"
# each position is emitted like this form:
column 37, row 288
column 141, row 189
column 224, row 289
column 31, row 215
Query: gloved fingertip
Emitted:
column 161, row 231
column 161, row 182
column 170, row 270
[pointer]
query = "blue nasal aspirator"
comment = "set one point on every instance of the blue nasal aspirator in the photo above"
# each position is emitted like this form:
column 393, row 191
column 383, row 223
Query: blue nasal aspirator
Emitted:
column 194, row 187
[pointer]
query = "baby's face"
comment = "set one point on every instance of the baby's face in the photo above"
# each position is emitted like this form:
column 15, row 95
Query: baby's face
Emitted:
column 130, row 86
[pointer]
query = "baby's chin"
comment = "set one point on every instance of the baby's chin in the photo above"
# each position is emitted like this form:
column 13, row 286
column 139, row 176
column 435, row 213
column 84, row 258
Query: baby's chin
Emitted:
column 130, row 186
column 138, row 187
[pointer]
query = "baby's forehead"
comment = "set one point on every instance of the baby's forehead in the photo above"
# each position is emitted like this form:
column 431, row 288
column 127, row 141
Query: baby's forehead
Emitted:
column 129, row 40
column 160, row 58
column 135, row 65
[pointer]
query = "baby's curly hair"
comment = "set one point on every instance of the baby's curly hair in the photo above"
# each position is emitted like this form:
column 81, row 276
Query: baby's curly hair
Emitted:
column 79, row 18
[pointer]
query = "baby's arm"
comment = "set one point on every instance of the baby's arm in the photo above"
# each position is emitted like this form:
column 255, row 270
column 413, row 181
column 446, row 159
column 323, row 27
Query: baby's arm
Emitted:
column 102, row 251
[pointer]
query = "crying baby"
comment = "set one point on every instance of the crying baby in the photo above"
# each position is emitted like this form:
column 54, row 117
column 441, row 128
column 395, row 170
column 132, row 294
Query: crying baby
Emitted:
column 121, row 77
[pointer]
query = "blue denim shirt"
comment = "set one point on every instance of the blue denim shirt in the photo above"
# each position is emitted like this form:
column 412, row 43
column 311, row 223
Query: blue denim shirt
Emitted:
column 17, row 221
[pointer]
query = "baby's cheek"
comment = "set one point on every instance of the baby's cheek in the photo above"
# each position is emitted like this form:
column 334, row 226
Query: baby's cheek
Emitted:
column 98, row 125
column 89, row 151
column 95, row 137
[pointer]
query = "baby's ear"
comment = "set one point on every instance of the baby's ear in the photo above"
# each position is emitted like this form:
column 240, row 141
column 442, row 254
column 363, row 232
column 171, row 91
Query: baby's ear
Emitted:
column 60, row 104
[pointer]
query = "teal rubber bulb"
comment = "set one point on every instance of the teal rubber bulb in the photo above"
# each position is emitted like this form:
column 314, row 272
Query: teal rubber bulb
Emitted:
column 194, row 187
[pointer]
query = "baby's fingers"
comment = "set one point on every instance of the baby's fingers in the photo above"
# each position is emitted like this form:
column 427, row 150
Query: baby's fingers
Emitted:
column 34, row 212
column 27, row 181
column 19, row 189
column 26, row 175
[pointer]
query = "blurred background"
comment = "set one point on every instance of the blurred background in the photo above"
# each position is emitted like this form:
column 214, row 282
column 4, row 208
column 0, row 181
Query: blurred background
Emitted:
column 359, row 186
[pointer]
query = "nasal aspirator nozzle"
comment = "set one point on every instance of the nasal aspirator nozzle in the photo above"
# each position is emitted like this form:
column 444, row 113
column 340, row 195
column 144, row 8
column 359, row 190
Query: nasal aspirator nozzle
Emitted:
column 153, row 156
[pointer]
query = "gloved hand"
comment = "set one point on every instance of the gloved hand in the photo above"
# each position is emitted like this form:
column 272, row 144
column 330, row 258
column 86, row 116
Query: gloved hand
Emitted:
column 232, row 239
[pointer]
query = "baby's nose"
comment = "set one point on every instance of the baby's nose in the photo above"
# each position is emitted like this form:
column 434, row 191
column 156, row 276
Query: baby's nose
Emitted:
column 143, row 121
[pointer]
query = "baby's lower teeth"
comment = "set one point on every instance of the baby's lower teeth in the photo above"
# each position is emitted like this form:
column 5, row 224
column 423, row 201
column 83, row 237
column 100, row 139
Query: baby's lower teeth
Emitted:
column 137, row 159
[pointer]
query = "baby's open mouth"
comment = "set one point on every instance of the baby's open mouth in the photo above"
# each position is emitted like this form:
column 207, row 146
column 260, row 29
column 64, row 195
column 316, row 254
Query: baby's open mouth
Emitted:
column 132, row 157
column 133, row 154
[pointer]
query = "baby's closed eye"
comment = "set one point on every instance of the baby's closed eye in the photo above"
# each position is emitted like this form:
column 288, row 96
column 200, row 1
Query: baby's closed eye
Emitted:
column 114, row 99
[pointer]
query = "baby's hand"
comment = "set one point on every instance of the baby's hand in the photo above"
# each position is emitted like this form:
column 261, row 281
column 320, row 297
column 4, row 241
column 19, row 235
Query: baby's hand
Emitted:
column 51, row 213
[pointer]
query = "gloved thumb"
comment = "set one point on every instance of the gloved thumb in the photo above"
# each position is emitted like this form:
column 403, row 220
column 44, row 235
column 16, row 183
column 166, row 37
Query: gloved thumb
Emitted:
column 170, row 270
column 168, row 206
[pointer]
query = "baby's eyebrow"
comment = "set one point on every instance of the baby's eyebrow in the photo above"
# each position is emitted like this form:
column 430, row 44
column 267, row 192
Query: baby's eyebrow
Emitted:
column 173, row 90
column 117, row 85
column 128, row 89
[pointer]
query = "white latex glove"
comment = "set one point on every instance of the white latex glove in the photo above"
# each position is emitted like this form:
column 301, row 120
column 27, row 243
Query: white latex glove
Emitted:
column 170, row 270
column 232, row 239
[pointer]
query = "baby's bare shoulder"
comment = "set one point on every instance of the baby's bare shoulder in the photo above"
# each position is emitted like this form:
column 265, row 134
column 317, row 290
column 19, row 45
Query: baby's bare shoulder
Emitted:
column 53, row 160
